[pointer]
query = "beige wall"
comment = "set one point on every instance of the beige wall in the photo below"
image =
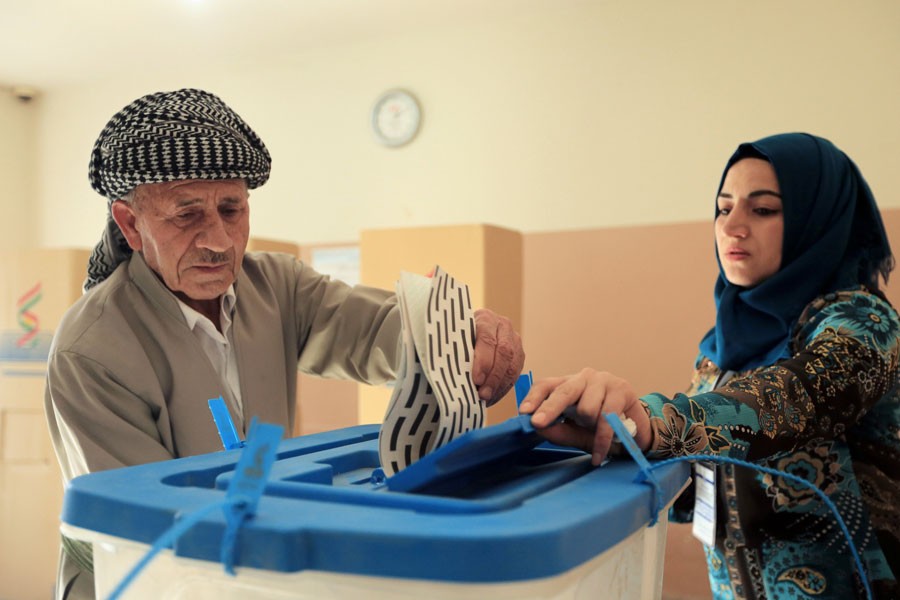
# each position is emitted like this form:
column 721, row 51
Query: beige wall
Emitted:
column 575, row 115
column 19, row 208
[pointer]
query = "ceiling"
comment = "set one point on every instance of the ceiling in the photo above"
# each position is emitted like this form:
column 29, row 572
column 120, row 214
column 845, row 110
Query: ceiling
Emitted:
column 50, row 43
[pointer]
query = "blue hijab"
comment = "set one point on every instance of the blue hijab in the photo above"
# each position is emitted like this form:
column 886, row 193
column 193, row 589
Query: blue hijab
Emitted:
column 833, row 239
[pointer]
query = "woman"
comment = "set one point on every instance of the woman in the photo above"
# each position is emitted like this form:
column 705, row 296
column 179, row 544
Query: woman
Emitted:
column 799, row 374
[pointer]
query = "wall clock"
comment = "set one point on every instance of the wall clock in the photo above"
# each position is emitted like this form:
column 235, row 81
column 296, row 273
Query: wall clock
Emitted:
column 396, row 117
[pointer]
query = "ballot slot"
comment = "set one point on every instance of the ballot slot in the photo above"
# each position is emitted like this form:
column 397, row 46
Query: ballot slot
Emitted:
column 514, row 479
column 486, row 470
column 498, row 485
column 347, row 479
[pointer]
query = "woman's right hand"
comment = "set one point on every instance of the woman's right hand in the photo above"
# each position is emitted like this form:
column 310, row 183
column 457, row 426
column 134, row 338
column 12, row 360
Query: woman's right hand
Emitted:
column 583, row 398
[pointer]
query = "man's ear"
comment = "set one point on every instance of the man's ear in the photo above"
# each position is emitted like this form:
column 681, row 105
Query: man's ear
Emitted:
column 124, row 216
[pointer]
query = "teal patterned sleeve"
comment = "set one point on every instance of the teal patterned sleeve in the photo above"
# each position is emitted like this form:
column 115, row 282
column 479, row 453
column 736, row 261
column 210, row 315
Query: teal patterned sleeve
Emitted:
column 701, row 424
column 846, row 355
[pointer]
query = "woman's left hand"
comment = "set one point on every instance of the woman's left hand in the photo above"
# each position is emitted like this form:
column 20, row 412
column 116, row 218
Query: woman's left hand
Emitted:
column 584, row 398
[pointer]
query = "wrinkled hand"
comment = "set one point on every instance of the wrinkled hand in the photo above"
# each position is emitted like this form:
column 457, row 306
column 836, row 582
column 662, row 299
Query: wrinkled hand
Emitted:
column 583, row 398
column 499, row 356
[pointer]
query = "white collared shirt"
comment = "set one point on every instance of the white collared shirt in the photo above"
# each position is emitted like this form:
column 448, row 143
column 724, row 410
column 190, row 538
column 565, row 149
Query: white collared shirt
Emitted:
column 219, row 348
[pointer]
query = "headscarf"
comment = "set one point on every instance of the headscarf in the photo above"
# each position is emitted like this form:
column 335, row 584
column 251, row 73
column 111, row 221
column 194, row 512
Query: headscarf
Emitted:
column 168, row 136
column 834, row 239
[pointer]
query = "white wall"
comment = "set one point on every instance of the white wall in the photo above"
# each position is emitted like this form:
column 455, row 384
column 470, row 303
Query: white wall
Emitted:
column 587, row 114
column 20, row 214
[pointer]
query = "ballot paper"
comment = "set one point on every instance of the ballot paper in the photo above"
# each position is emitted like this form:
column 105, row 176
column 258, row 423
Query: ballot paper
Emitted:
column 434, row 399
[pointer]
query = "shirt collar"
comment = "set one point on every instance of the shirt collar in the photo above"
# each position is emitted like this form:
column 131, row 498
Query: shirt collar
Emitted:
column 193, row 318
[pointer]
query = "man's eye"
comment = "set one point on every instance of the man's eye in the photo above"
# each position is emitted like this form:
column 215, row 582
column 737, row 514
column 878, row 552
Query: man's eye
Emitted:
column 185, row 217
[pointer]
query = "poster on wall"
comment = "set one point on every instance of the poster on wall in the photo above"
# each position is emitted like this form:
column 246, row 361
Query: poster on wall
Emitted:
column 340, row 262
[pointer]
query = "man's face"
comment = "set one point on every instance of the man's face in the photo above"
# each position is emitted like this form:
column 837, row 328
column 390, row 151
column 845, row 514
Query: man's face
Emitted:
column 192, row 233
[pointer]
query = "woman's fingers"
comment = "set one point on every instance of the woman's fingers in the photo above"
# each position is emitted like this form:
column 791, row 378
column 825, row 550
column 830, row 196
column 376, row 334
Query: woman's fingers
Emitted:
column 584, row 398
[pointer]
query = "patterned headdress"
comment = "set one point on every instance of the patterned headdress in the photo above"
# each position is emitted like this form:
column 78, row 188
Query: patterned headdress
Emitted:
column 168, row 136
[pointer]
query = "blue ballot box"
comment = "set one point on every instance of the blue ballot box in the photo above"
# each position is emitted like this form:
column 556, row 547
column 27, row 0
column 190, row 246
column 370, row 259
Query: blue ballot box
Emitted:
column 494, row 513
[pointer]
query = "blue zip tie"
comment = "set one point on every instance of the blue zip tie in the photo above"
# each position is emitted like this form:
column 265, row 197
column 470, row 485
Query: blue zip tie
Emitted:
column 182, row 524
column 646, row 476
column 248, row 484
column 224, row 424
column 241, row 499
column 523, row 384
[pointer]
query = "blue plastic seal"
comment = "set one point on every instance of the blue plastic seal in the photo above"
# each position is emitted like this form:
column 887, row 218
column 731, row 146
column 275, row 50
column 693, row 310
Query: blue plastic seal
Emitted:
column 248, row 484
column 645, row 475
column 523, row 384
column 224, row 424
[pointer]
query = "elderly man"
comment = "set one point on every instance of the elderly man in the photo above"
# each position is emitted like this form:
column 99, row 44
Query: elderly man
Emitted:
column 183, row 314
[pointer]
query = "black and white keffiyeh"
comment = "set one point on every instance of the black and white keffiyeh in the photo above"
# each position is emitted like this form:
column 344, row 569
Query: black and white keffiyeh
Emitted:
column 168, row 136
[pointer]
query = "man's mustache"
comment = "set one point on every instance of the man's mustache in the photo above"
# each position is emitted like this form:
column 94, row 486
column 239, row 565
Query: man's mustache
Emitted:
column 212, row 258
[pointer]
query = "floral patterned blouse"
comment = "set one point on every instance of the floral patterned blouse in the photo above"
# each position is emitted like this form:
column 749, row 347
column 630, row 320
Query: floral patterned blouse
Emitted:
column 829, row 414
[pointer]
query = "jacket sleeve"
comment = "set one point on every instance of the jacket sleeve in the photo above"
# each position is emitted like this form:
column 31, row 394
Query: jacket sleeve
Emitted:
column 845, row 360
column 346, row 332
column 97, row 423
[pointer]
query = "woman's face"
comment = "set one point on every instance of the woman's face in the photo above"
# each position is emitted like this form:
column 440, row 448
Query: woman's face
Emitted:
column 750, row 223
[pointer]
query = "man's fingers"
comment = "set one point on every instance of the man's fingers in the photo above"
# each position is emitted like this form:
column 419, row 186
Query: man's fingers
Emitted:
column 485, row 344
column 501, row 375
column 499, row 356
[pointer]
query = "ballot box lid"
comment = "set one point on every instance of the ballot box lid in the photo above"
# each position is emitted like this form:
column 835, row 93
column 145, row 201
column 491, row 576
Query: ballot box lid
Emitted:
column 496, row 504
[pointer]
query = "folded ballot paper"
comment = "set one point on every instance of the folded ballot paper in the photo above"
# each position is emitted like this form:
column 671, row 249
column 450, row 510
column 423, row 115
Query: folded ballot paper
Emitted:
column 434, row 400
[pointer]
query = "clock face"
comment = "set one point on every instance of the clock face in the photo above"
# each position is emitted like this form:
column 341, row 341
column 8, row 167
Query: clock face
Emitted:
column 395, row 118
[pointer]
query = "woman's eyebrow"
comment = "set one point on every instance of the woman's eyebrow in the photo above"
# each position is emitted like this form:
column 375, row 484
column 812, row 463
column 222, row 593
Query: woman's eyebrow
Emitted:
column 757, row 193
column 753, row 194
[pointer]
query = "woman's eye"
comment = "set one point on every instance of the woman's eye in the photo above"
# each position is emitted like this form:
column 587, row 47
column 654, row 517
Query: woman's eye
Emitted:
column 724, row 211
column 765, row 212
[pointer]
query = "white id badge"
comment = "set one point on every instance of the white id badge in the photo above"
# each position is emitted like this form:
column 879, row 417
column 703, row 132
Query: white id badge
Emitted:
column 705, row 503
